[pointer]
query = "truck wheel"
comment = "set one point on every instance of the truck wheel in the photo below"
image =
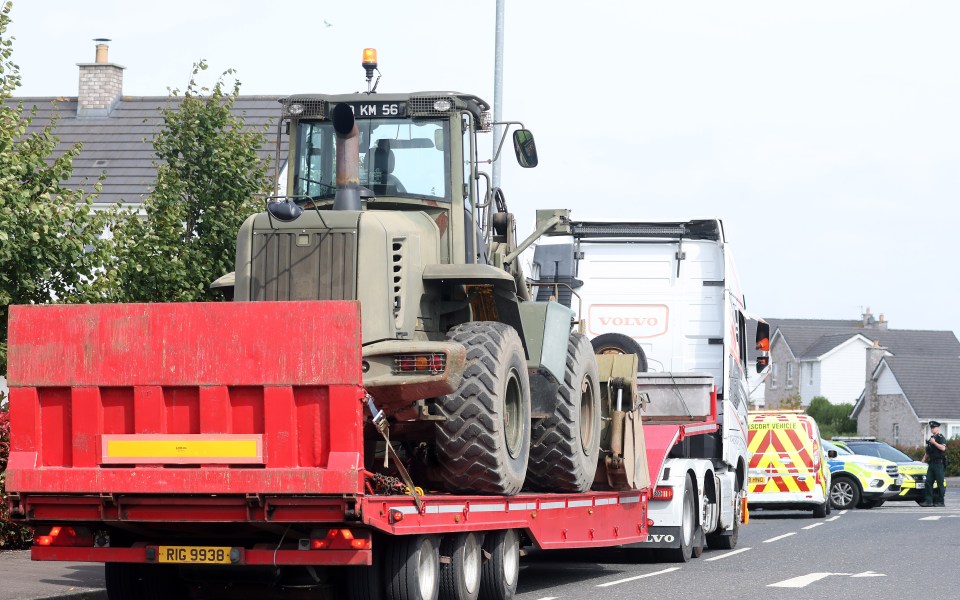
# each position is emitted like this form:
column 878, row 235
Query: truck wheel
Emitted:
column 617, row 343
column 498, row 578
column 844, row 493
column 698, row 542
column 688, row 527
column 460, row 578
column 412, row 568
column 720, row 541
column 123, row 581
column 565, row 446
column 483, row 444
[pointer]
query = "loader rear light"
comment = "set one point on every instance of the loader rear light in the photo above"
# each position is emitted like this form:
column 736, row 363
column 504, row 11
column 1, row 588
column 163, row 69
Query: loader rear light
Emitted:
column 663, row 493
column 65, row 536
column 341, row 539
column 433, row 363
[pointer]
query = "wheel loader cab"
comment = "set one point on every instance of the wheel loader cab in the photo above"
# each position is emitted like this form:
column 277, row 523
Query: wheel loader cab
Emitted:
column 397, row 158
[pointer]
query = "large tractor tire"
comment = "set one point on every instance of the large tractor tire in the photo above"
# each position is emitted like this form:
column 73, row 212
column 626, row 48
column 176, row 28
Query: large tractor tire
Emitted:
column 483, row 443
column 565, row 446
column 617, row 343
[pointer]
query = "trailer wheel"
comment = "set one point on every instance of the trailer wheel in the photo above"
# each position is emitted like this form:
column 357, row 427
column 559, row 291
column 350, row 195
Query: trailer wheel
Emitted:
column 460, row 578
column 501, row 569
column 721, row 541
column 617, row 343
column 123, row 581
column 689, row 527
column 565, row 446
column 483, row 444
column 162, row 582
column 412, row 568
column 366, row 583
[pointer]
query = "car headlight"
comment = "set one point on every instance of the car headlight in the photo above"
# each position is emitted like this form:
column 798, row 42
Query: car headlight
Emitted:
column 877, row 468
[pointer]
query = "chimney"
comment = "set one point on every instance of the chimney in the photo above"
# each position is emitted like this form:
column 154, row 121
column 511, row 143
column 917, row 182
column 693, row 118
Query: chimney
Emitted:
column 882, row 323
column 101, row 84
column 868, row 319
column 871, row 400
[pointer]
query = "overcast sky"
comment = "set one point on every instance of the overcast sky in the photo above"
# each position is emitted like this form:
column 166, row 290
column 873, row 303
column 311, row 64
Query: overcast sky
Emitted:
column 825, row 133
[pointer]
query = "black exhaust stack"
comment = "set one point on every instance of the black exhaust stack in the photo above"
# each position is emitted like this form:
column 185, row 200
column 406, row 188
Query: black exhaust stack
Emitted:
column 348, row 159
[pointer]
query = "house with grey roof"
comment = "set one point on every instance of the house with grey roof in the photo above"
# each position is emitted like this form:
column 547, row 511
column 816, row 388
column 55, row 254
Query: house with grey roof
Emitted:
column 904, row 393
column 891, row 376
column 116, row 131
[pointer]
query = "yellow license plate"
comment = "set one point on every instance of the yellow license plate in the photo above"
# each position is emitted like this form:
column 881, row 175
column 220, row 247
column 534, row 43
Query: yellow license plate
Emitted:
column 758, row 480
column 207, row 555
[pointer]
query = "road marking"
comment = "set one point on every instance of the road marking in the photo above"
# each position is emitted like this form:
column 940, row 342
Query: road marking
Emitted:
column 799, row 582
column 814, row 525
column 619, row 581
column 727, row 554
column 831, row 519
column 805, row 580
column 843, row 512
column 780, row 537
column 549, row 598
column 937, row 518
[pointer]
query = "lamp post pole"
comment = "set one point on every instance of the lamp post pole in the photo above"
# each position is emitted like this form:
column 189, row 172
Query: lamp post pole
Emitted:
column 497, row 89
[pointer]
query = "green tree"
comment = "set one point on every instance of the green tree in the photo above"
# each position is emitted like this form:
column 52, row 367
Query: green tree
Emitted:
column 208, row 174
column 834, row 419
column 50, row 239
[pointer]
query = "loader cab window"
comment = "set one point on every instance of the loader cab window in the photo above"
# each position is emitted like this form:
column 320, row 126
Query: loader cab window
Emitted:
column 315, row 163
column 398, row 157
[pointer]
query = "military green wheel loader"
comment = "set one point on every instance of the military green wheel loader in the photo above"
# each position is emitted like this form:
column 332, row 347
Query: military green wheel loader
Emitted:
column 479, row 387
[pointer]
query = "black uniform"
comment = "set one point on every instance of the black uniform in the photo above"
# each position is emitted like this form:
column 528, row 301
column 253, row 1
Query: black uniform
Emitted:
column 937, row 461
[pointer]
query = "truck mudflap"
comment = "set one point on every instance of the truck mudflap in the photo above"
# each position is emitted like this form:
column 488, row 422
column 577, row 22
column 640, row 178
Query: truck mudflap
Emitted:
column 241, row 398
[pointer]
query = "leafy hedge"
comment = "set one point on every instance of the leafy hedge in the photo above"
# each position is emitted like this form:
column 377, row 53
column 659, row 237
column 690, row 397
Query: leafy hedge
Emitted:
column 12, row 535
column 953, row 456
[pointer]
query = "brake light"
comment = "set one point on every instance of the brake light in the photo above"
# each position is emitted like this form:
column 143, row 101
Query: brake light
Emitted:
column 663, row 493
column 341, row 539
column 65, row 536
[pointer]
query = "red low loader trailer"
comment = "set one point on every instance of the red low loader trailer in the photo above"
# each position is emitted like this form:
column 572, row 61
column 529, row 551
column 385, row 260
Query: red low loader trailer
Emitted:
column 184, row 444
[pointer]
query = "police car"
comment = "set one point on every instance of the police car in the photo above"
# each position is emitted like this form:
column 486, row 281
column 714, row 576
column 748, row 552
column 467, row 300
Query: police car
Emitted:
column 860, row 481
column 914, row 472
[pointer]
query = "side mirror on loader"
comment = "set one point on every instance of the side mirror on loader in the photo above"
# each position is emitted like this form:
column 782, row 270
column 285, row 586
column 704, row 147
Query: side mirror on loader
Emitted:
column 525, row 148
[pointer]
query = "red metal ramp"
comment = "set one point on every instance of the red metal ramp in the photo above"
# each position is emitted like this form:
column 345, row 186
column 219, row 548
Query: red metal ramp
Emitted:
column 228, row 398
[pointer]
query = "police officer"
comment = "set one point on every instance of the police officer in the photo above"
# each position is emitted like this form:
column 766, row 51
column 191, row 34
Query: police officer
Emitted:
column 936, row 456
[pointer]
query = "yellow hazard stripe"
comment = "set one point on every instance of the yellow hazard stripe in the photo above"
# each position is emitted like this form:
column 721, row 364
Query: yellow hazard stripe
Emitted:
column 182, row 449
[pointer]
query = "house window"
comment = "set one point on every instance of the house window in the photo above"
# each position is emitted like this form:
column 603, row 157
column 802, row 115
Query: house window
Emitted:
column 774, row 372
column 811, row 374
column 789, row 374
column 896, row 434
column 953, row 431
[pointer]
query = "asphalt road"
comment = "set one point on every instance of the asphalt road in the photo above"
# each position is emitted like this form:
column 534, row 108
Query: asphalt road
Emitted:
column 897, row 550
